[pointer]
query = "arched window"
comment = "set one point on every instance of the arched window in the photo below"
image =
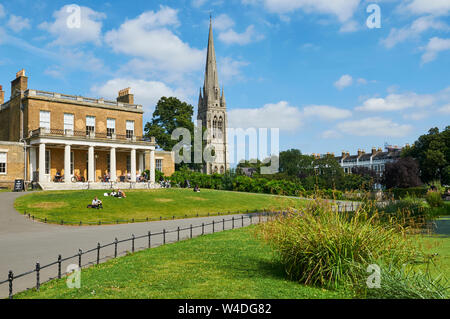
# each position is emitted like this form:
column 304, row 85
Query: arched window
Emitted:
column 216, row 169
column 215, row 127
column 220, row 124
column 222, row 170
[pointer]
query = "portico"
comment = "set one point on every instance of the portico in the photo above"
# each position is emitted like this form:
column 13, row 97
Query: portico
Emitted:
column 88, row 159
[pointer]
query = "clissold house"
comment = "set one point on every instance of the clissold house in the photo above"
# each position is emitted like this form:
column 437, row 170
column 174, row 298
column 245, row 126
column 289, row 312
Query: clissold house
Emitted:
column 43, row 134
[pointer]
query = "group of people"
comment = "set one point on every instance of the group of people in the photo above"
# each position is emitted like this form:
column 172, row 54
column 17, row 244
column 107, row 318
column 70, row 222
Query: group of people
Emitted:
column 96, row 204
column 119, row 194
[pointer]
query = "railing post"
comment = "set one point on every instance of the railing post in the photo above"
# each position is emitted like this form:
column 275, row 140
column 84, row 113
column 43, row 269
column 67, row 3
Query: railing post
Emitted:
column 242, row 220
column 223, row 224
column 191, row 231
column 10, row 279
column 259, row 217
column 149, row 239
column 38, row 270
column 59, row 266
column 203, row 229
column 213, row 227
column 233, row 223
column 164, row 236
column 132, row 243
column 178, row 233
column 98, row 253
column 116, row 241
column 80, row 252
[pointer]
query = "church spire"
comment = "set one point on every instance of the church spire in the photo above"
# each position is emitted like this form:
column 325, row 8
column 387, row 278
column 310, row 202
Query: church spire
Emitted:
column 211, row 86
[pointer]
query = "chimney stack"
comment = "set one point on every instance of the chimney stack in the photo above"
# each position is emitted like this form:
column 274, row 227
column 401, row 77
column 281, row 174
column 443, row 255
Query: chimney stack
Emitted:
column 125, row 96
column 374, row 150
column 19, row 84
column 360, row 152
column 2, row 95
column 344, row 154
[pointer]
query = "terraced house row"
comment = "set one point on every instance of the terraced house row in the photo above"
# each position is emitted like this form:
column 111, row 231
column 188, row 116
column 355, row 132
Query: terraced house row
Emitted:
column 62, row 141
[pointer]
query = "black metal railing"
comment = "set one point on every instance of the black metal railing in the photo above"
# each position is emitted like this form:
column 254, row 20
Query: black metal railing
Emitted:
column 236, row 222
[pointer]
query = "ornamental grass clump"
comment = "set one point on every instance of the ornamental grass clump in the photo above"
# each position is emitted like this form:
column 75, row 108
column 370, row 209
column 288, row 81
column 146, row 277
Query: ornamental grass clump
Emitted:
column 320, row 246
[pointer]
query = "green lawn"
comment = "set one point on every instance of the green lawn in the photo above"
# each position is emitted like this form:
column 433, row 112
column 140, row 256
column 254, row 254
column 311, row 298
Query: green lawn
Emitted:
column 231, row 264
column 71, row 206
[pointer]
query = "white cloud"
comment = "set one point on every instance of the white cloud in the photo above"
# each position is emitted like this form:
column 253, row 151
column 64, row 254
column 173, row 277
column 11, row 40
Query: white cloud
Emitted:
column 434, row 46
column 223, row 22
column 413, row 31
column 374, row 126
column 89, row 31
column 2, row 11
column 445, row 109
column 344, row 81
column 416, row 116
column 232, row 37
column 146, row 93
column 198, row 3
column 326, row 112
column 396, row 102
column 280, row 115
column 349, row 26
column 436, row 7
column 230, row 69
column 342, row 9
column 155, row 47
column 18, row 24
column 362, row 81
column 331, row 134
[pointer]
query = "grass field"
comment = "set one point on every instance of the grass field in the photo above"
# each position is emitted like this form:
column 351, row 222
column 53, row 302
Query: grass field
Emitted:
column 71, row 206
column 227, row 265
column 231, row 264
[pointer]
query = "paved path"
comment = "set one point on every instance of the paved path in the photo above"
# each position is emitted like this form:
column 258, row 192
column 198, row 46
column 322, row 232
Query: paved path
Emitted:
column 24, row 242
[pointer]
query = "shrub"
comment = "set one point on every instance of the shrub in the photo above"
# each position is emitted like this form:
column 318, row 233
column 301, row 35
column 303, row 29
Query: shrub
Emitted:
column 400, row 193
column 318, row 245
column 434, row 199
column 402, row 283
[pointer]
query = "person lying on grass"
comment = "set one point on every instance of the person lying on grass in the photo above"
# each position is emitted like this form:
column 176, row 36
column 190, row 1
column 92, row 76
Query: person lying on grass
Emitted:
column 96, row 204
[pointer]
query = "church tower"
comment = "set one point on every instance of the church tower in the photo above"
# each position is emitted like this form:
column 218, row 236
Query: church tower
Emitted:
column 212, row 111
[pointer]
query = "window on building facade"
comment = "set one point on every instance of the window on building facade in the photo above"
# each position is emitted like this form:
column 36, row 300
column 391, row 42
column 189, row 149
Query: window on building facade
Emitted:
column 129, row 163
column 44, row 120
column 159, row 165
column 90, row 125
column 3, row 157
column 130, row 129
column 110, row 127
column 68, row 123
column 47, row 162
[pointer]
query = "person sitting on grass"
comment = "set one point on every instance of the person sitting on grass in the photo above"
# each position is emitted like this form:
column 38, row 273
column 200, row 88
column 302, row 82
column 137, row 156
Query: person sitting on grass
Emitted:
column 96, row 204
column 121, row 194
column 197, row 189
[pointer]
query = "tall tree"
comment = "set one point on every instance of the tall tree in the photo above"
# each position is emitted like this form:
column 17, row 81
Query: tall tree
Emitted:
column 403, row 173
column 432, row 151
column 171, row 113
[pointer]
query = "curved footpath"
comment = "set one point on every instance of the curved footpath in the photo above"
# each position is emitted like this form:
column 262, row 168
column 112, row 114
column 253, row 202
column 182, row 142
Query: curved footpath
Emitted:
column 24, row 242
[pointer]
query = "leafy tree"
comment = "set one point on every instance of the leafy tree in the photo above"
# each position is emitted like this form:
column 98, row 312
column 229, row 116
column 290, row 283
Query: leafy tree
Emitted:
column 170, row 113
column 403, row 173
column 294, row 163
column 432, row 151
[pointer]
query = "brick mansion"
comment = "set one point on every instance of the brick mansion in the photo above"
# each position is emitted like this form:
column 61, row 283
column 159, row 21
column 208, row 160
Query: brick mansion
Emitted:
column 53, row 137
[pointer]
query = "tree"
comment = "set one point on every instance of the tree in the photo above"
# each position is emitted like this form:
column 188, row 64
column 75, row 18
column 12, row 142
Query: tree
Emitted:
column 432, row 151
column 294, row 163
column 403, row 173
column 170, row 114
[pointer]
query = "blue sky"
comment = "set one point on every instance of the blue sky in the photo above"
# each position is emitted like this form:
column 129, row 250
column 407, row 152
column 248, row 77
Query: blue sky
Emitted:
column 312, row 68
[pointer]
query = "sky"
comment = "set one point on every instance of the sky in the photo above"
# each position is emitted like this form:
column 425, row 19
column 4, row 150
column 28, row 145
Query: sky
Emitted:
column 326, row 73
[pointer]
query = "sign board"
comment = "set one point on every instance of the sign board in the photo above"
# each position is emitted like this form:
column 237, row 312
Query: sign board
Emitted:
column 19, row 185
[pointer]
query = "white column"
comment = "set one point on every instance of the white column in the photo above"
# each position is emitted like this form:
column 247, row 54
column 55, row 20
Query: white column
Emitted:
column 91, row 166
column 152, row 166
column 112, row 164
column 42, row 163
column 67, row 172
column 141, row 163
column 33, row 166
column 133, row 165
